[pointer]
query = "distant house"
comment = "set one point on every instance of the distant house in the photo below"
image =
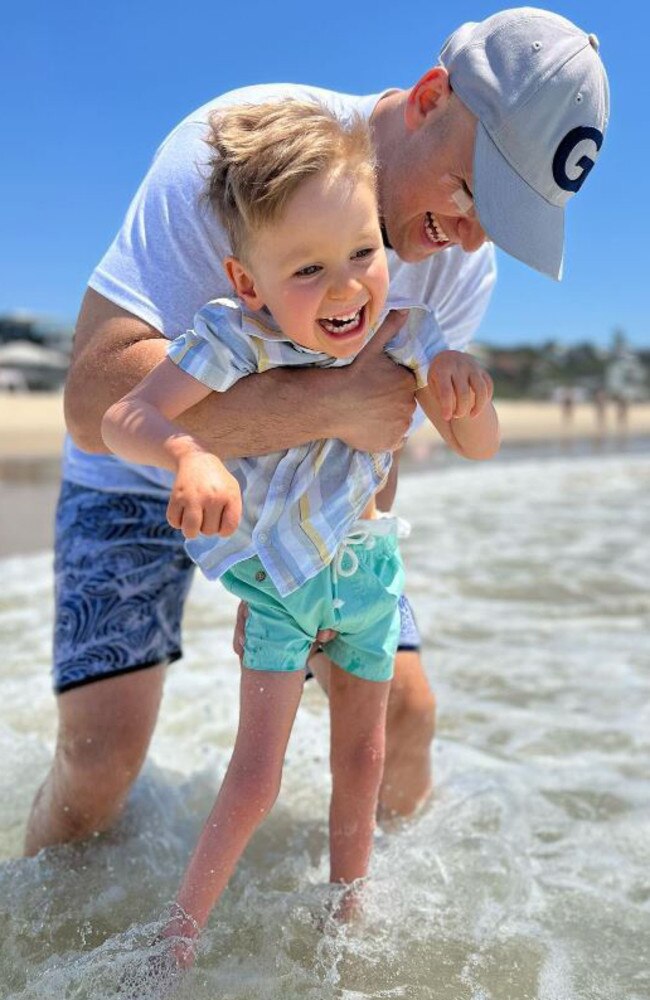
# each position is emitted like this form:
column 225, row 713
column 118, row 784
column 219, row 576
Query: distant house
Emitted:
column 36, row 329
column 34, row 352
column 26, row 365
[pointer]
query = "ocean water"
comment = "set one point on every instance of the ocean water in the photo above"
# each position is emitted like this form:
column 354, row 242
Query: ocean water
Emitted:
column 528, row 875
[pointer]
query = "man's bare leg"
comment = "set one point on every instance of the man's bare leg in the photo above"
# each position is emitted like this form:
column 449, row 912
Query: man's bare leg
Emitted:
column 104, row 732
column 410, row 727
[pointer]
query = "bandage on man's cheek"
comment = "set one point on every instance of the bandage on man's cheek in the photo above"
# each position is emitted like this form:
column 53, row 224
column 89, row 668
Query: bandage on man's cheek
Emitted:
column 463, row 201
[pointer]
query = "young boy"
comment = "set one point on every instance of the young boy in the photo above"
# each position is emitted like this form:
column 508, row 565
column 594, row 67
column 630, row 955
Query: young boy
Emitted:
column 295, row 189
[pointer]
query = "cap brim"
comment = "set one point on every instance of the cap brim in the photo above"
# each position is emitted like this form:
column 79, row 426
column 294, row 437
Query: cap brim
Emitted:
column 512, row 214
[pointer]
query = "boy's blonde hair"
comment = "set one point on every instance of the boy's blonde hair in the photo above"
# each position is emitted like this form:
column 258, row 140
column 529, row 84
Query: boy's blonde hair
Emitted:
column 264, row 152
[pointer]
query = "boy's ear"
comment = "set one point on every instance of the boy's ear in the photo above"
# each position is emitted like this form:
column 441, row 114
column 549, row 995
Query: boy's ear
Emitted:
column 431, row 92
column 243, row 282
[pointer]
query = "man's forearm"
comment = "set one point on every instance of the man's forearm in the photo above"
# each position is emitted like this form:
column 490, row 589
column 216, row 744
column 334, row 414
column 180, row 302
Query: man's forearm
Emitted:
column 259, row 414
column 282, row 408
column 97, row 379
column 368, row 404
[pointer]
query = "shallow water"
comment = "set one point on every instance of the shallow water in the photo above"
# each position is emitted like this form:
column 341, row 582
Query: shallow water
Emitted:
column 529, row 874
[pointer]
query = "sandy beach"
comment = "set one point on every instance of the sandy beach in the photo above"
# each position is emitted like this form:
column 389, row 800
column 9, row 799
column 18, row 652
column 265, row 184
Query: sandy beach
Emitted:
column 31, row 424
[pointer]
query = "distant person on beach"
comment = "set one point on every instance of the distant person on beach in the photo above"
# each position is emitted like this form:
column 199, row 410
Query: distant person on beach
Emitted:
column 599, row 399
column 625, row 379
column 567, row 400
column 295, row 189
column 494, row 141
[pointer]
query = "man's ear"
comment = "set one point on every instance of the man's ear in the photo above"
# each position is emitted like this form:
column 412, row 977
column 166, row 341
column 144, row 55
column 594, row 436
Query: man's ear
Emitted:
column 431, row 92
column 243, row 282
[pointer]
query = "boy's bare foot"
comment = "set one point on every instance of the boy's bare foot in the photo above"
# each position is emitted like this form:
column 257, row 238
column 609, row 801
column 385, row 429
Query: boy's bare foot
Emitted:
column 157, row 978
column 173, row 951
column 345, row 908
column 410, row 726
column 349, row 907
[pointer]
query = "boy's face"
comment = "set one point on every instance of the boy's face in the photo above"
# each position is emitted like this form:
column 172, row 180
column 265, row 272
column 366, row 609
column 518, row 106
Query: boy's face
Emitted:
column 321, row 268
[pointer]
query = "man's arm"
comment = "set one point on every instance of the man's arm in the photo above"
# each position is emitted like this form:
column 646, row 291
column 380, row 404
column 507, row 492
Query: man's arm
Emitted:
column 368, row 404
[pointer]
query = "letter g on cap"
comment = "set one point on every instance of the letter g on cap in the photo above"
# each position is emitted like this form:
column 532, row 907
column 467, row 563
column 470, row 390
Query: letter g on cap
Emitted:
column 563, row 156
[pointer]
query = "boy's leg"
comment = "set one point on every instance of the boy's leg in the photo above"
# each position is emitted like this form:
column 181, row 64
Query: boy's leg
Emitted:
column 410, row 724
column 358, row 725
column 269, row 701
column 121, row 578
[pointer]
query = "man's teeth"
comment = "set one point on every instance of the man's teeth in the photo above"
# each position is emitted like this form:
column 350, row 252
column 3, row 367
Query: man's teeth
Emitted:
column 341, row 324
column 435, row 232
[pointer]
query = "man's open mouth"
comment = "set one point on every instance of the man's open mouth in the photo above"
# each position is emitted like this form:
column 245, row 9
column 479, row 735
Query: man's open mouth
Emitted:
column 435, row 232
column 338, row 326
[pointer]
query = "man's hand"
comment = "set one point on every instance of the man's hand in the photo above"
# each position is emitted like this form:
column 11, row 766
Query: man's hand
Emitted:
column 376, row 405
column 459, row 384
column 205, row 497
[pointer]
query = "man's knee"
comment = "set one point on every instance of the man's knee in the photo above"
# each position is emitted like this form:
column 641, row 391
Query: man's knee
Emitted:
column 89, row 782
column 98, row 763
column 105, row 728
column 103, row 736
column 412, row 703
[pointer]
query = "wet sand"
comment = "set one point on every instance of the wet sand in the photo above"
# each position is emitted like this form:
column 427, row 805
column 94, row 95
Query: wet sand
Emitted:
column 32, row 430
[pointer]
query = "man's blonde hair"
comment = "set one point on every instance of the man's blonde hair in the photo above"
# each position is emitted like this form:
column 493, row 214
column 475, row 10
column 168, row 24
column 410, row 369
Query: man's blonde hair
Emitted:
column 262, row 153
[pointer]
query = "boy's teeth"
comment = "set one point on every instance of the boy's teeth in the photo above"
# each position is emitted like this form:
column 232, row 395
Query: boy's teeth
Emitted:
column 435, row 232
column 340, row 324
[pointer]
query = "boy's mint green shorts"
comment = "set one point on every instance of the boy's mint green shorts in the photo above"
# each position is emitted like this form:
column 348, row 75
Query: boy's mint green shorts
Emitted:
column 357, row 594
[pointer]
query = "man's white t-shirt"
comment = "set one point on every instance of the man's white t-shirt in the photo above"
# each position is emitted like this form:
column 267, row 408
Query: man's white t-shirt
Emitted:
column 165, row 263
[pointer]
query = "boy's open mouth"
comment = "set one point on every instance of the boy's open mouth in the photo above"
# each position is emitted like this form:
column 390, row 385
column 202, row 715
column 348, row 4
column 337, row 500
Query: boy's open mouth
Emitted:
column 343, row 326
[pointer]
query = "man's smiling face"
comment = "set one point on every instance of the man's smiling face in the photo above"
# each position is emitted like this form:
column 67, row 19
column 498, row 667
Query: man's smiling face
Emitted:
column 426, row 185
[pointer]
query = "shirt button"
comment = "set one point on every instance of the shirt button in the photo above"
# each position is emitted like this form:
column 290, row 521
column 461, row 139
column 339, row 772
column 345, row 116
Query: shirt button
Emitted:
column 262, row 536
column 260, row 575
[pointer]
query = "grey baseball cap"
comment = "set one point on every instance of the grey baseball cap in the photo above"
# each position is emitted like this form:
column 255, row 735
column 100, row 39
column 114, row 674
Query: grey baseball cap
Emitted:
column 539, row 90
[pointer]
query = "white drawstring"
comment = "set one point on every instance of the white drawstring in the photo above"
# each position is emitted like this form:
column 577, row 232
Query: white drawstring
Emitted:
column 359, row 537
column 363, row 533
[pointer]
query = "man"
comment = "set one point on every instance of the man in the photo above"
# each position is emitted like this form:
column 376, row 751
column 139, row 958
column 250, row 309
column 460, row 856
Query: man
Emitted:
column 493, row 141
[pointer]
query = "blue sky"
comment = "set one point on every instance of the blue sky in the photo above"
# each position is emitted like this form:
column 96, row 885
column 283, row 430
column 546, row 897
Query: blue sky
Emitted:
column 88, row 91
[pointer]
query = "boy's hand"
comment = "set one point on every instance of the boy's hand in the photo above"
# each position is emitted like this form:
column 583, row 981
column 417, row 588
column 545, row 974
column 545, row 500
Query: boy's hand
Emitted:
column 461, row 387
column 205, row 497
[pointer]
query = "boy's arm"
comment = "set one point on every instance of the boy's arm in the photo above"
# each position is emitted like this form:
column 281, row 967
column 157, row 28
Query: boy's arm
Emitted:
column 475, row 437
column 368, row 404
column 453, row 390
column 140, row 427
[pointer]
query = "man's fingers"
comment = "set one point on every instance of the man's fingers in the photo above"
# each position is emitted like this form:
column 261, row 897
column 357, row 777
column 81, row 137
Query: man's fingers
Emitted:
column 326, row 635
column 240, row 629
column 393, row 322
